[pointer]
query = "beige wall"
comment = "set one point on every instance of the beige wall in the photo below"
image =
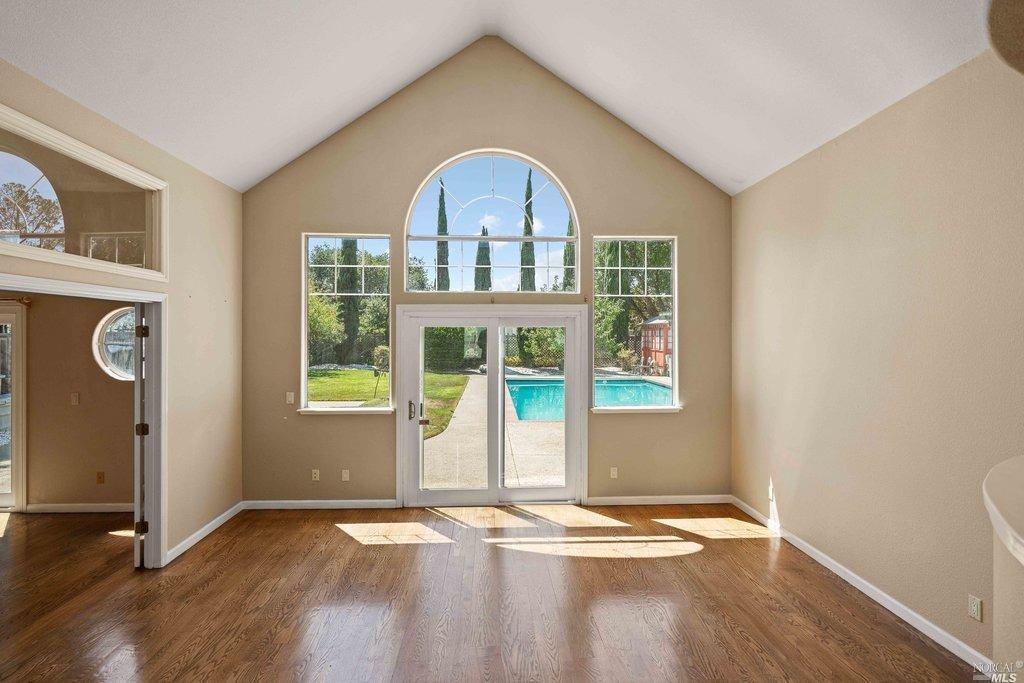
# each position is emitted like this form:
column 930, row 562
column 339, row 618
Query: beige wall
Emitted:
column 204, row 462
column 363, row 178
column 878, row 339
column 68, row 444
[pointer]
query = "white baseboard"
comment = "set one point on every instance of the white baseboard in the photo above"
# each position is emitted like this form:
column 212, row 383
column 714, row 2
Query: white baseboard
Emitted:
column 659, row 500
column 928, row 628
column 79, row 507
column 202, row 533
column 320, row 504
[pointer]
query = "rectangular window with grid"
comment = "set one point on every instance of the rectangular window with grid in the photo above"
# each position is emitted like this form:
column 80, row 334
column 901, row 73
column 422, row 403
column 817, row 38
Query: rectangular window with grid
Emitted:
column 634, row 298
column 347, row 322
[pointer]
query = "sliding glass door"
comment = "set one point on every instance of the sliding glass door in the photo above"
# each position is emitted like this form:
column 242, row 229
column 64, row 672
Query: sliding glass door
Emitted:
column 492, row 405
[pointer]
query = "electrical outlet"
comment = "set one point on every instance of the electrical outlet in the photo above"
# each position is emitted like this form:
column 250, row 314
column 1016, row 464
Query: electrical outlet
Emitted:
column 614, row 474
column 74, row 398
column 101, row 477
column 974, row 606
column 316, row 475
column 344, row 475
column 289, row 397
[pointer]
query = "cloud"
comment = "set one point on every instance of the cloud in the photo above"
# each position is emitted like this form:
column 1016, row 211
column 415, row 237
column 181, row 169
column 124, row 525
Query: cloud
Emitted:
column 490, row 220
column 538, row 225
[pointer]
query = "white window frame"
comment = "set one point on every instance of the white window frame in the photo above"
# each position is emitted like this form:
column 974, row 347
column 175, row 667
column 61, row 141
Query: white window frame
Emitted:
column 304, row 407
column 677, row 404
column 536, row 239
column 157, row 209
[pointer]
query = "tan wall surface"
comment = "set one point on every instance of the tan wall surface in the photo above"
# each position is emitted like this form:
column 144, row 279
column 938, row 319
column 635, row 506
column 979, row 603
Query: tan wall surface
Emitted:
column 68, row 444
column 878, row 338
column 204, row 462
column 362, row 179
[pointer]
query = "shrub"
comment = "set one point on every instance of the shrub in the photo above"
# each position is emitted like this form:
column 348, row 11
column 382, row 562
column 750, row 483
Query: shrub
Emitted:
column 626, row 358
column 382, row 358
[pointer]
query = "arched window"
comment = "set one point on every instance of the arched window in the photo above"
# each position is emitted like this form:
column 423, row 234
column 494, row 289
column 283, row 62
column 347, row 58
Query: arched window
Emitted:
column 491, row 221
column 29, row 210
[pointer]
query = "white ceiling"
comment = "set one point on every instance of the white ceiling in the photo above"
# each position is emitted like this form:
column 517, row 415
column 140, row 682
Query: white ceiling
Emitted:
column 736, row 89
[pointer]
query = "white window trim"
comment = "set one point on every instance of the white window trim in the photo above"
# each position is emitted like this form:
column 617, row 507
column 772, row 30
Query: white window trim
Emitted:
column 677, row 404
column 304, row 407
column 483, row 152
column 97, row 340
column 158, row 206
column 19, row 424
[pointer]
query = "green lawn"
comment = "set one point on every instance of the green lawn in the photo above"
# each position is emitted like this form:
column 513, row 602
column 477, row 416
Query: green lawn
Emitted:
column 443, row 392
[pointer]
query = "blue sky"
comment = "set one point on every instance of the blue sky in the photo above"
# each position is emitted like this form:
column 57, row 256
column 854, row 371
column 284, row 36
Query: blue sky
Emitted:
column 17, row 170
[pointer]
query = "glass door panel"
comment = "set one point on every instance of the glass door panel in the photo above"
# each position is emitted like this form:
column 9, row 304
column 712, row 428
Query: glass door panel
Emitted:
column 533, row 415
column 453, row 409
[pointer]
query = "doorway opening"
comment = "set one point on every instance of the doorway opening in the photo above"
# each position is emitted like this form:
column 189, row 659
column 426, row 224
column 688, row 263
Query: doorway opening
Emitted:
column 81, row 407
column 492, row 401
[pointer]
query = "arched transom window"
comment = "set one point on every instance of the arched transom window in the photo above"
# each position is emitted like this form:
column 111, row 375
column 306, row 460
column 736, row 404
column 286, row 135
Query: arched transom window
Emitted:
column 491, row 222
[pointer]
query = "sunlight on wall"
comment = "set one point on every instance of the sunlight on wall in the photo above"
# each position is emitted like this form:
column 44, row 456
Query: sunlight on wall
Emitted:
column 636, row 547
column 570, row 516
column 484, row 518
column 393, row 533
column 719, row 527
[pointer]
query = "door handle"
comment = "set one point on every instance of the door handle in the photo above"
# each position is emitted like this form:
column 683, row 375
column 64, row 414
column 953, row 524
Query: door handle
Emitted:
column 412, row 410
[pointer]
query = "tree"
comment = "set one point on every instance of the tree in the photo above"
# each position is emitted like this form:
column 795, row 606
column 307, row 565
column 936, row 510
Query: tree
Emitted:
column 527, row 275
column 442, row 246
column 482, row 275
column 323, row 329
column 348, row 282
column 417, row 275
column 546, row 346
column 569, row 262
column 25, row 211
column 611, row 331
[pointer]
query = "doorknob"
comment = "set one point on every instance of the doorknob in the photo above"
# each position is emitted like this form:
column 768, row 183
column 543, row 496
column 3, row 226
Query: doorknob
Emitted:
column 412, row 410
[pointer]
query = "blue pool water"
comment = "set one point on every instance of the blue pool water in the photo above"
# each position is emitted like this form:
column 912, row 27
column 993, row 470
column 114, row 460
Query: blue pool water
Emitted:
column 544, row 399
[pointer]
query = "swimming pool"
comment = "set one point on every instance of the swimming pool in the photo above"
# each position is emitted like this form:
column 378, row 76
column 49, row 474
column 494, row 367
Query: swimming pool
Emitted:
column 544, row 399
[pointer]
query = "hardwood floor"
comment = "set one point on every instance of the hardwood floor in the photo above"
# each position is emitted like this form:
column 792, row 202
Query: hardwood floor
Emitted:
column 290, row 595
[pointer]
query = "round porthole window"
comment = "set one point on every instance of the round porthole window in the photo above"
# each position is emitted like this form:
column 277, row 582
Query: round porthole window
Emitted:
column 113, row 344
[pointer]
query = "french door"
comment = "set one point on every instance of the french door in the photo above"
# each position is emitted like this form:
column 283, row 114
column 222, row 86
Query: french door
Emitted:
column 490, row 401
column 12, row 406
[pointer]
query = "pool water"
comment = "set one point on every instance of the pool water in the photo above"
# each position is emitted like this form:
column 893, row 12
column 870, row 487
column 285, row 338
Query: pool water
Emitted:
column 544, row 399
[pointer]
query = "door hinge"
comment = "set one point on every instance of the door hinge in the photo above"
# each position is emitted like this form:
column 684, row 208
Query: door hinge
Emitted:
column 142, row 429
column 142, row 330
column 142, row 527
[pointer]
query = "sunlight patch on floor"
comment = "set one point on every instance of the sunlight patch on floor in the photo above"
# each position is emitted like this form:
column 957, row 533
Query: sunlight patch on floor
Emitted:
column 570, row 516
column 636, row 547
column 126, row 533
column 393, row 533
column 485, row 518
column 719, row 527
column 4, row 516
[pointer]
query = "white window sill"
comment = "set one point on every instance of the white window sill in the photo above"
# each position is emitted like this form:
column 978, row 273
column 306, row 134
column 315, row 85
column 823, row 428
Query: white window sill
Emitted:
column 346, row 411
column 638, row 409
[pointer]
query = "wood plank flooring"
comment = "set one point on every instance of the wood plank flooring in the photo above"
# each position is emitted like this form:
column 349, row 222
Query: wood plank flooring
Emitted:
column 283, row 595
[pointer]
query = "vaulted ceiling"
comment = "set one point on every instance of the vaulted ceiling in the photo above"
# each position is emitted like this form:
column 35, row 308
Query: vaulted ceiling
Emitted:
column 735, row 89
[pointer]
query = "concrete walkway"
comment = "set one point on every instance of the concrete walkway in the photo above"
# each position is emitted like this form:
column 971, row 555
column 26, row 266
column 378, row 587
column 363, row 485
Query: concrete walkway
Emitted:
column 457, row 457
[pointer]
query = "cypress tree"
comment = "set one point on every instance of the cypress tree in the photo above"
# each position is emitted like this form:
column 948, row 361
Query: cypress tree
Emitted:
column 442, row 247
column 527, row 275
column 569, row 262
column 348, row 305
column 482, row 276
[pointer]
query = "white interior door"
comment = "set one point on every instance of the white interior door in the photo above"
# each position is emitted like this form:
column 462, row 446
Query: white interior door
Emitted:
column 491, row 404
